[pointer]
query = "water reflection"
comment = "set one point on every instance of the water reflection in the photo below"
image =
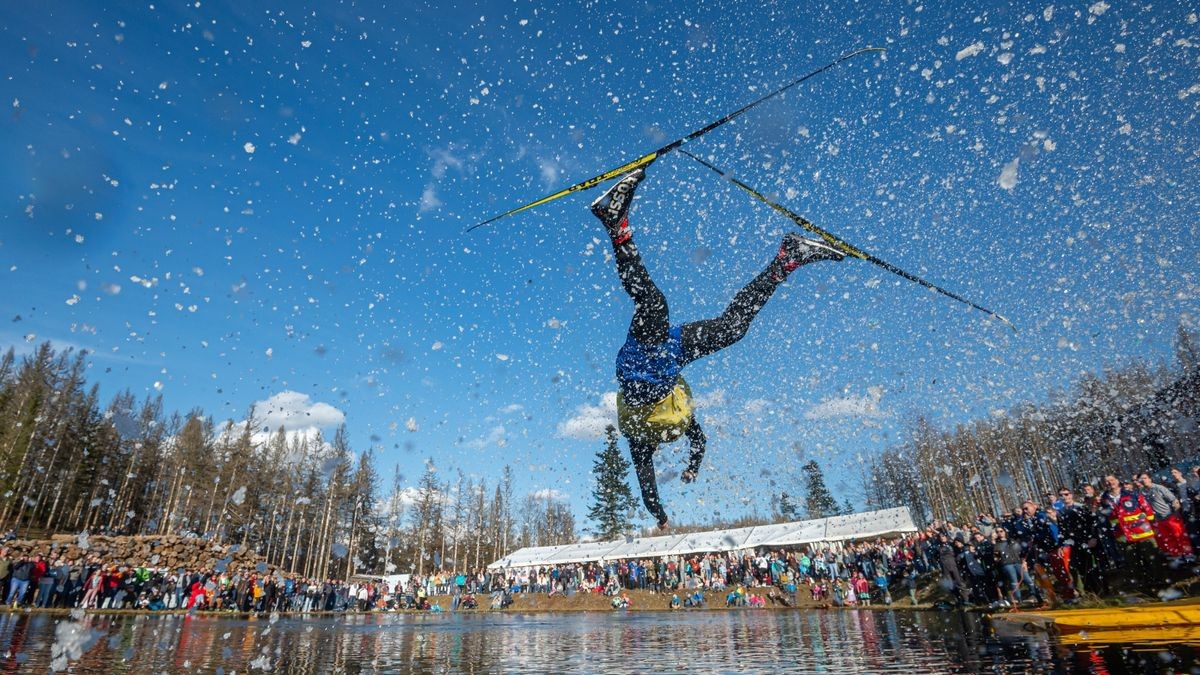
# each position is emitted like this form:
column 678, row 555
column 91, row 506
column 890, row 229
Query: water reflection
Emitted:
column 751, row 641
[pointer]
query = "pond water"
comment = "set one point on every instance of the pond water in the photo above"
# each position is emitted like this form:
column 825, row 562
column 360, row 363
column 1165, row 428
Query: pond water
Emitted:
column 718, row 641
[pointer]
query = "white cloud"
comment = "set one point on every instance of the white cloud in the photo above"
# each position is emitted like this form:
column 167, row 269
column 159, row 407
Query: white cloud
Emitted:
column 589, row 420
column 1008, row 175
column 26, row 344
column 549, row 170
column 429, row 199
column 512, row 408
column 757, row 406
column 407, row 496
column 498, row 437
column 296, row 412
column 550, row 494
column 443, row 159
column 850, row 406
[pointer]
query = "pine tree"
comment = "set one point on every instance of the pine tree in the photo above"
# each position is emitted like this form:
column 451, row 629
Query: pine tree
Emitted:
column 611, row 497
column 847, row 507
column 1185, row 350
column 426, row 516
column 819, row 502
column 787, row 507
column 365, row 522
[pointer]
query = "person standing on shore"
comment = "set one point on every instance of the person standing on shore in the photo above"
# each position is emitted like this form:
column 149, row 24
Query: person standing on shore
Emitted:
column 1169, row 530
column 1132, row 523
column 21, row 574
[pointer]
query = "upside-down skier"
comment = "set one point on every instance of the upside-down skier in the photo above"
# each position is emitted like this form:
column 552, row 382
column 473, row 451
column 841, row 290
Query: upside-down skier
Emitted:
column 654, row 403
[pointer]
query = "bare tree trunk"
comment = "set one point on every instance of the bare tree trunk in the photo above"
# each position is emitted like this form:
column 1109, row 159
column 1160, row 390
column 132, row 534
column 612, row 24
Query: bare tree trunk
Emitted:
column 187, row 503
column 287, row 534
column 70, row 480
column 123, row 497
column 442, row 553
column 324, row 542
column 20, row 470
column 172, row 500
column 296, row 550
column 212, row 499
column 350, row 566
column 46, row 476
column 92, row 511
column 478, row 546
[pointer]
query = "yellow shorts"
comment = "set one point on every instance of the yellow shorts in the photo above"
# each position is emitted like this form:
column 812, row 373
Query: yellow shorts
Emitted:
column 661, row 422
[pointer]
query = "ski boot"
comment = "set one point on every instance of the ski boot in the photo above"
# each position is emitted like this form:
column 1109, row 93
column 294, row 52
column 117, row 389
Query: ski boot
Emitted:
column 795, row 251
column 612, row 207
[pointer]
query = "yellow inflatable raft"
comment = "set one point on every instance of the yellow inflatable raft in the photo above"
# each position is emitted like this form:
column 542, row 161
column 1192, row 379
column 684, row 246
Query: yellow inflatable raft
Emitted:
column 1182, row 614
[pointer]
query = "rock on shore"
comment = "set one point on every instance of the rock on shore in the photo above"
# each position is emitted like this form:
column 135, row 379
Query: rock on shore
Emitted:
column 169, row 551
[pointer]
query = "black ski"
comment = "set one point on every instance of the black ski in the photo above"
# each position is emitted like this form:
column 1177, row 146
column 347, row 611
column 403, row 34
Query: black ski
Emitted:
column 844, row 246
column 645, row 160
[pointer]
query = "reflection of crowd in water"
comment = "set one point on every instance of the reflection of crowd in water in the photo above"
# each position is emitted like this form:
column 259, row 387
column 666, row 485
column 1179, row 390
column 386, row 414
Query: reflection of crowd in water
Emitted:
column 858, row 641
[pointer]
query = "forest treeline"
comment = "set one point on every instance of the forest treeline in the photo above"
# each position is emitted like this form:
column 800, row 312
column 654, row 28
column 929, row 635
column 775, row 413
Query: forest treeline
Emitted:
column 317, row 507
column 1133, row 418
column 307, row 504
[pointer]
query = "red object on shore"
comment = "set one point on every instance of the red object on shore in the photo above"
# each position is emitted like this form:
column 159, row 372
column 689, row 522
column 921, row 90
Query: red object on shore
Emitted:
column 1172, row 536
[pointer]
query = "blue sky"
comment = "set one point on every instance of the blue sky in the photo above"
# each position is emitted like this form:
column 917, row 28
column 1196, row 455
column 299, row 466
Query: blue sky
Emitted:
column 240, row 202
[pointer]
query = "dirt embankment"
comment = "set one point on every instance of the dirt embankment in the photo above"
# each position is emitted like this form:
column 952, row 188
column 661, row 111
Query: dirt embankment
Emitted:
column 168, row 551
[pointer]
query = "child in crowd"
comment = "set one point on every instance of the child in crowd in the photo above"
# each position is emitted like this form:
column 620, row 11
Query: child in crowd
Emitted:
column 848, row 593
column 862, row 588
column 881, row 582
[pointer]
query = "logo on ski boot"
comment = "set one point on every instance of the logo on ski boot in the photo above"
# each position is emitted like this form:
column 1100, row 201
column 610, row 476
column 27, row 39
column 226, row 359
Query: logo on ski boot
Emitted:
column 617, row 203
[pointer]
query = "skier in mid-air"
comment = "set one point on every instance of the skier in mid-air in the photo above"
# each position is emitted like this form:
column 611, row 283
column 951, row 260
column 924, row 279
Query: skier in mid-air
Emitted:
column 654, row 403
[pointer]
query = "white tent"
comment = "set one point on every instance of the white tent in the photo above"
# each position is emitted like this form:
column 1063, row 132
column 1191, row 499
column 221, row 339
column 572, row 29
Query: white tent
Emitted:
column 869, row 525
column 530, row 556
column 644, row 547
column 592, row 550
column 711, row 542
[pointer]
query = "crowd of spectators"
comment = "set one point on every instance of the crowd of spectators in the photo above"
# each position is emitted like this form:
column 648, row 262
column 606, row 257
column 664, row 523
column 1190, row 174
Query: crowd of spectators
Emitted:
column 1115, row 536
column 846, row 574
column 58, row 582
column 1120, row 535
column 1099, row 539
